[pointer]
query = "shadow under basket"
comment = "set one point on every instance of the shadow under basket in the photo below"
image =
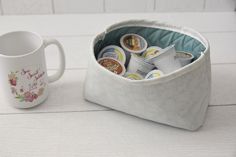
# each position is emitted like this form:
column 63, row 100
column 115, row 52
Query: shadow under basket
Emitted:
column 179, row 99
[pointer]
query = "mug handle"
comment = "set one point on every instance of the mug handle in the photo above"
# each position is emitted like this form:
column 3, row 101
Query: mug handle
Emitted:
column 61, row 70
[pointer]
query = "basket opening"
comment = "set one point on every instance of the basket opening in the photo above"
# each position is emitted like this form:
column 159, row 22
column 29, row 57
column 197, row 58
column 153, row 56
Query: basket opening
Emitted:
column 154, row 37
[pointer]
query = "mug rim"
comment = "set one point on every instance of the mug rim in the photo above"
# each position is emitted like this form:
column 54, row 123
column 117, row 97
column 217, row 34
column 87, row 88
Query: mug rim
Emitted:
column 28, row 53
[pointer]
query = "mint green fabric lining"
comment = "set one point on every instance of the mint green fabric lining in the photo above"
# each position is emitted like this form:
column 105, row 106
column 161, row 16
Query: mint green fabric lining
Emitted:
column 154, row 37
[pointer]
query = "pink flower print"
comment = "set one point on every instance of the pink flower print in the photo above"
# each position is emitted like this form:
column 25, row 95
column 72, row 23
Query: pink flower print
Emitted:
column 33, row 92
column 12, row 79
column 35, row 96
column 13, row 82
column 28, row 97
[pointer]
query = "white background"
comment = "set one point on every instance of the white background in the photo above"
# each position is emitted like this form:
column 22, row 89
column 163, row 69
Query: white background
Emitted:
column 112, row 6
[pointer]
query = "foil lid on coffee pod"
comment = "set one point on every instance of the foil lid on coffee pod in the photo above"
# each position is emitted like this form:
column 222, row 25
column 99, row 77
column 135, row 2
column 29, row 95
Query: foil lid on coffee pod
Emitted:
column 133, row 76
column 113, row 51
column 184, row 57
column 112, row 65
column 154, row 74
column 151, row 51
column 133, row 43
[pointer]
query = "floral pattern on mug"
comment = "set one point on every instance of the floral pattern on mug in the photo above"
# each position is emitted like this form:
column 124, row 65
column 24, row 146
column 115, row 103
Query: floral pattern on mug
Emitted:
column 27, row 84
column 12, row 79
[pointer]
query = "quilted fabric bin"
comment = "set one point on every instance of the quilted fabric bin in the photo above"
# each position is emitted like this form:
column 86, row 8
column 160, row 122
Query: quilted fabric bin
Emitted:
column 179, row 99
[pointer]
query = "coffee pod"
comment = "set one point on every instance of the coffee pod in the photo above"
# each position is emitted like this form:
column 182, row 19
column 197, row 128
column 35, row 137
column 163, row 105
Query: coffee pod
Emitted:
column 137, row 64
column 133, row 76
column 154, row 74
column 112, row 65
column 151, row 51
column 184, row 57
column 113, row 51
column 133, row 43
column 165, row 60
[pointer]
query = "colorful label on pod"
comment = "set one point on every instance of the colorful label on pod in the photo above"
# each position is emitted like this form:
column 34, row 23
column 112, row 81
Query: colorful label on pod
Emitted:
column 113, row 51
column 112, row 65
column 133, row 43
column 133, row 76
column 151, row 51
column 154, row 74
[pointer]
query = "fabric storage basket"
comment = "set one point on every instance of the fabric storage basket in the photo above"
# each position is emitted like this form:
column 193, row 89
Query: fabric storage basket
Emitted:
column 178, row 99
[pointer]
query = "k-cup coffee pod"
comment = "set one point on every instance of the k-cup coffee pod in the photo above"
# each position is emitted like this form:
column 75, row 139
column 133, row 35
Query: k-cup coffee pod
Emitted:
column 154, row 74
column 112, row 65
column 133, row 43
column 151, row 51
column 184, row 57
column 133, row 76
column 137, row 64
column 165, row 60
column 113, row 51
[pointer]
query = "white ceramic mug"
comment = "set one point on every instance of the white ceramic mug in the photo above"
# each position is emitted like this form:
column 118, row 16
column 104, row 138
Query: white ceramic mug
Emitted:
column 23, row 72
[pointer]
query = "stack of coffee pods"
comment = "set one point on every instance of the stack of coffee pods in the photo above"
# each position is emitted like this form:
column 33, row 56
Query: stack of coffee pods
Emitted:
column 142, row 62
column 113, row 58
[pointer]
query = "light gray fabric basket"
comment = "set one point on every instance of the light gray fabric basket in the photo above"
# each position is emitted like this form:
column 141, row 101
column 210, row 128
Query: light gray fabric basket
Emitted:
column 179, row 99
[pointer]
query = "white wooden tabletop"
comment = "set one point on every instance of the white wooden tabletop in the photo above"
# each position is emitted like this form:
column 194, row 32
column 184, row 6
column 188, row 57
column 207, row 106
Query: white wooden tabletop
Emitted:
column 66, row 125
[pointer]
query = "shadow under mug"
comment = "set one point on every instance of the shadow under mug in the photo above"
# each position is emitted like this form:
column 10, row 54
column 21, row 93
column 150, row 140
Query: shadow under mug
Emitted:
column 23, row 73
